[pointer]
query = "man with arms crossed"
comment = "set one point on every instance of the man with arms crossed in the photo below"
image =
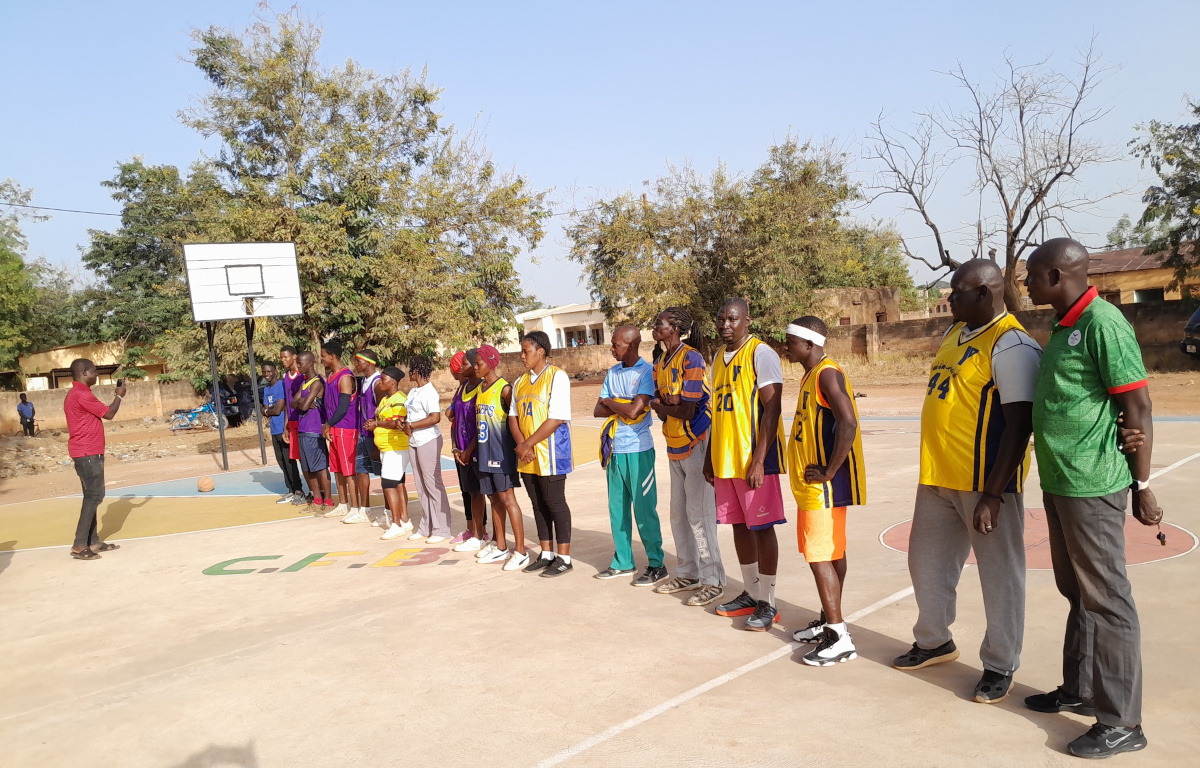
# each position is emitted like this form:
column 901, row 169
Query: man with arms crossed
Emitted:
column 1091, row 373
column 366, row 455
column 975, row 425
column 341, row 425
column 745, row 458
column 85, row 444
column 274, row 397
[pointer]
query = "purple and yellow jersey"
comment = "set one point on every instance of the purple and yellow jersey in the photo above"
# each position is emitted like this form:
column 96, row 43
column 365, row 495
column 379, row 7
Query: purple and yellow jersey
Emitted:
column 312, row 419
column 366, row 402
column 812, row 439
column 531, row 399
column 496, row 450
column 682, row 373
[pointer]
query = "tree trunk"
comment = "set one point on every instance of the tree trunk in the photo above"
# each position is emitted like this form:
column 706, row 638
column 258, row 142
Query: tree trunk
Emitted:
column 1012, row 293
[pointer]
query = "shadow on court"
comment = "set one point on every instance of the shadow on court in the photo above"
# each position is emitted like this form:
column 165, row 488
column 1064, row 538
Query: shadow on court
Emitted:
column 219, row 756
column 116, row 514
column 7, row 553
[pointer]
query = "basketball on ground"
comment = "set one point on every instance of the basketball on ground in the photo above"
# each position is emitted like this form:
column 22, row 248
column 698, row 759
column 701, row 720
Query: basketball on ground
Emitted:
column 205, row 484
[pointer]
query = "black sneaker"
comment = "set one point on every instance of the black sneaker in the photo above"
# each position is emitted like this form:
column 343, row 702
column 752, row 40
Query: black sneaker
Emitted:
column 651, row 576
column 1107, row 740
column 742, row 605
column 539, row 564
column 993, row 687
column 919, row 658
column 614, row 573
column 764, row 616
column 1060, row 701
column 557, row 567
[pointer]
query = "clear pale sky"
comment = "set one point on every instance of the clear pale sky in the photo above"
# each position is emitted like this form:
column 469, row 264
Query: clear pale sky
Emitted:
column 586, row 99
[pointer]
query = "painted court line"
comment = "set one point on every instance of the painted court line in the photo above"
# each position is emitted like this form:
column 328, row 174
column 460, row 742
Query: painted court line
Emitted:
column 1176, row 465
column 716, row 682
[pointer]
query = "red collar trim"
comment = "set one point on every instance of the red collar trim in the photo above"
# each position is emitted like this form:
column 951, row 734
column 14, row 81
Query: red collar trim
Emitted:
column 1072, row 316
column 79, row 384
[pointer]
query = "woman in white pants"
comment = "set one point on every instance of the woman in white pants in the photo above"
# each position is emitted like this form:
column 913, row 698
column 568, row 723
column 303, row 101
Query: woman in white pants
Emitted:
column 425, row 452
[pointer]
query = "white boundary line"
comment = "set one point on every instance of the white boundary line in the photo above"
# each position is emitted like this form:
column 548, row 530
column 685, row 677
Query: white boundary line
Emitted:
column 716, row 682
column 1176, row 465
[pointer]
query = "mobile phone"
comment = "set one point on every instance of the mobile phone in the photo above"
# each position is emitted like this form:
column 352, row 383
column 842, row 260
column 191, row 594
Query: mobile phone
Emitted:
column 120, row 382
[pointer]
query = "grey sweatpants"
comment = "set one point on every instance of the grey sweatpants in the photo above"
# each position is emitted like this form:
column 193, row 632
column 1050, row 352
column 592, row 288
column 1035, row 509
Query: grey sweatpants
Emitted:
column 431, row 491
column 941, row 539
column 1102, row 657
column 694, row 520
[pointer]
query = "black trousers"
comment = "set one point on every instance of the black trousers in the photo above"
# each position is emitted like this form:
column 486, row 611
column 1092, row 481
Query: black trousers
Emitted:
column 91, row 475
column 27, row 427
column 1102, row 656
column 548, row 497
column 291, row 472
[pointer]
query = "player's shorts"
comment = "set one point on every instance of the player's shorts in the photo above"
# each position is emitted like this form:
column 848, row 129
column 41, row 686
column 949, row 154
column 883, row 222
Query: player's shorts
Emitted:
column 468, row 477
column 393, row 465
column 364, row 462
column 756, row 508
column 343, row 446
column 314, row 454
column 293, row 433
column 821, row 534
column 497, row 482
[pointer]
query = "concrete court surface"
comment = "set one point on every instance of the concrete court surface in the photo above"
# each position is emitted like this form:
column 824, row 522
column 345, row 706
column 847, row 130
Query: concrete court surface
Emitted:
column 387, row 653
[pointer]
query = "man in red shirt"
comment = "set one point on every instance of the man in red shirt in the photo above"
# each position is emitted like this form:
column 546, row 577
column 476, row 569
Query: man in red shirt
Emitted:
column 86, row 446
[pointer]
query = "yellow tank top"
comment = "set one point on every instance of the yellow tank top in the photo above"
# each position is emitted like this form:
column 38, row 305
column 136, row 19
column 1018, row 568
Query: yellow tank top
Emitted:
column 531, row 399
column 812, row 443
column 670, row 378
column 737, row 414
column 391, row 407
column 961, row 419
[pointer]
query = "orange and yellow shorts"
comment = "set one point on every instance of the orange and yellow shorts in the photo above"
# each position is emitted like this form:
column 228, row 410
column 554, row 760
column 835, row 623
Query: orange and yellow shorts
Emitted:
column 821, row 534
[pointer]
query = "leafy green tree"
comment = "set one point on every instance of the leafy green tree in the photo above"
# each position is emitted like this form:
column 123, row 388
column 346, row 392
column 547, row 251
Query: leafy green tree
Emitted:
column 1128, row 234
column 773, row 238
column 18, row 296
column 1172, row 215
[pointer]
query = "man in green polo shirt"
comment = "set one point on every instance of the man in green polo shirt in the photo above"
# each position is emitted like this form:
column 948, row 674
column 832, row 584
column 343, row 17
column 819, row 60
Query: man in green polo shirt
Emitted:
column 1091, row 372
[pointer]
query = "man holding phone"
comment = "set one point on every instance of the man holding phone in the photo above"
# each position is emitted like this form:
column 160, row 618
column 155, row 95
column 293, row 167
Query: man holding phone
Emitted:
column 86, row 447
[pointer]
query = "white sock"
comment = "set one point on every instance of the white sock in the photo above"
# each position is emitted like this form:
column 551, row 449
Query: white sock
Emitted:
column 840, row 628
column 546, row 555
column 766, row 588
column 566, row 559
column 750, row 579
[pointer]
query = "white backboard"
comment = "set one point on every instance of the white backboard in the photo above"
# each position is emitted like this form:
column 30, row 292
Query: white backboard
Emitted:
column 233, row 281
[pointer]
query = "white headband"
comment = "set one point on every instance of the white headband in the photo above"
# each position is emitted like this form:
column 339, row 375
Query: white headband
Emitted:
column 806, row 333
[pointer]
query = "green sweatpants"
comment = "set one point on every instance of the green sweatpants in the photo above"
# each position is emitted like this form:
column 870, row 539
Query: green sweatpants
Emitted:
column 633, row 489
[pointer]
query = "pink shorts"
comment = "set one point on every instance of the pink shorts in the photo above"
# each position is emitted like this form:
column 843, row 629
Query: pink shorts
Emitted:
column 343, row 443
column 756, row 508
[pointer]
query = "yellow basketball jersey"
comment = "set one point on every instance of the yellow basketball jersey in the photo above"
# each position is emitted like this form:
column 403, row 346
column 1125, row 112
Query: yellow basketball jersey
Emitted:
column 391, row 407
column 961, row 420
column 737, row 414
column 812, row 443
column 531, row 399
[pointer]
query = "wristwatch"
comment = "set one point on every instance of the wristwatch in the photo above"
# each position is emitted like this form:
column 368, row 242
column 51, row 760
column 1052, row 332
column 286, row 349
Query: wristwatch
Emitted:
column 1140, row 485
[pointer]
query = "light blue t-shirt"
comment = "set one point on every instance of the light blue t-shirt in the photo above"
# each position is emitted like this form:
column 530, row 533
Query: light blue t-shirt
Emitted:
column 630, row 382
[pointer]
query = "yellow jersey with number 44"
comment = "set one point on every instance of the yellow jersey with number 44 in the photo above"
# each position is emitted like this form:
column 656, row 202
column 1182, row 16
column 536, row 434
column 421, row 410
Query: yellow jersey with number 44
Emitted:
column 737, row 415
column 961, row 419
column 812, row 438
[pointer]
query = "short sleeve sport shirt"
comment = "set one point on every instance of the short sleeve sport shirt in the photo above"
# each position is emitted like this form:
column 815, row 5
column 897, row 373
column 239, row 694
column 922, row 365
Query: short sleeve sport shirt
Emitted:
column 1092, row 355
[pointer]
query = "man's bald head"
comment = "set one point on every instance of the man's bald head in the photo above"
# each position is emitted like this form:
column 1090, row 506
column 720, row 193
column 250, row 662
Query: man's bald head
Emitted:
column 976, row 292
column 628, row 334
column 1064, row 254
column 1057, row 273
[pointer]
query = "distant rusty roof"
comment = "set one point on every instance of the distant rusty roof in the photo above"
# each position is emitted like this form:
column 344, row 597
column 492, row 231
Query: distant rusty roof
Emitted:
column 1124, row 260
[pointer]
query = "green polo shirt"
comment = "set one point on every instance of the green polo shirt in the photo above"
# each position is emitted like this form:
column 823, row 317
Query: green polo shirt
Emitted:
column 1092, row 355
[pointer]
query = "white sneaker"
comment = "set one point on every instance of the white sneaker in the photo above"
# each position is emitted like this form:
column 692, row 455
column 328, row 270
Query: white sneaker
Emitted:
column 496, row 556
column 832, row 649
column 487, row 550
column 406, row 527
column 517, row 561
column 381, row 520
column 416, row 537
column 338, row 511
column 394, row 532
column 435, row 539
column 470, row 545
column 357, row 515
